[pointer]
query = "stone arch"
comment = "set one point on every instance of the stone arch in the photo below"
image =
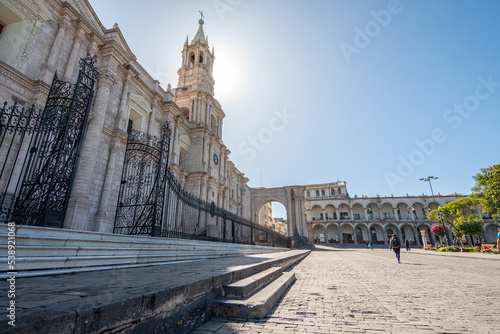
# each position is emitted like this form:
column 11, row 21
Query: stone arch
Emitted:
column 213, row 125
column 372, row 211
column 403, row 211
column 330, row 212
column 387, row 211
column 391, row 229
column 376, row 234
column 319, row 232
column 409, row 232
column 347, row 233
column 362, row 233
column 292, row 198
column 433, row 205
column 358, row 211
column 344, row 211
column 418, row 210
column 490, row 232
column 191, row 59
column 317, row 212
column 333, row 233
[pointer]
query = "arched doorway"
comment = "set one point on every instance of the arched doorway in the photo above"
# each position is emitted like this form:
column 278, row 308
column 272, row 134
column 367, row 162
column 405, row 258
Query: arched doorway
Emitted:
column 273, row 215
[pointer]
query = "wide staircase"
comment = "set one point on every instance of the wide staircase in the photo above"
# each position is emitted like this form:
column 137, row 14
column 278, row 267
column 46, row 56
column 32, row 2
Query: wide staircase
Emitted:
column 243, row 281
column 43, row 251
column 253, row 296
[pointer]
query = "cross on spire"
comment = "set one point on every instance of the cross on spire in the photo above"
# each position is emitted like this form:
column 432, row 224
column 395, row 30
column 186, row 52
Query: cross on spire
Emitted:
column 201, row 13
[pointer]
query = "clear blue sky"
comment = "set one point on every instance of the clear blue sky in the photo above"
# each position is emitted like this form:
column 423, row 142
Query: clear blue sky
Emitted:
column 376, row 93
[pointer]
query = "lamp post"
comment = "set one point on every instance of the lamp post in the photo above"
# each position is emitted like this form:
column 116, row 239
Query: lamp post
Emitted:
column 429, row 178
column 440, row 215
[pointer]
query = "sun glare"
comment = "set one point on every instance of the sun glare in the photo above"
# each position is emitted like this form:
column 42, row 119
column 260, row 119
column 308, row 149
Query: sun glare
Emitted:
column 228, row 75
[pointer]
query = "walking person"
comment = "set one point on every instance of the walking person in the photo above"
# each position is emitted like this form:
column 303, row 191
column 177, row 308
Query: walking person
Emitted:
column 395, row 245
column 407, row 244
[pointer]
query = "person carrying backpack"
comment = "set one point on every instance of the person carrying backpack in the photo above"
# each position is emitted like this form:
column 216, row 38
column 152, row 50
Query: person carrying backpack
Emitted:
column 395, row 245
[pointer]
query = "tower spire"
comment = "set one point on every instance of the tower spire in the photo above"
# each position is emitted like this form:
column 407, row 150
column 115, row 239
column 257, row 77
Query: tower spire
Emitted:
column 200, row 34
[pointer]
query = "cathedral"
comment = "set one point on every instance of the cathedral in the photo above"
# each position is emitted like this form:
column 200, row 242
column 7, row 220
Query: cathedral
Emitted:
column 39, row 38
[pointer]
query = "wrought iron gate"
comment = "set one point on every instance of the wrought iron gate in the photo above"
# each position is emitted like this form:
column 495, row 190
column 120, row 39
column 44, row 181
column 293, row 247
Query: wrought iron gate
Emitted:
column 143, row 183
column 40, row 151
column 151, row 202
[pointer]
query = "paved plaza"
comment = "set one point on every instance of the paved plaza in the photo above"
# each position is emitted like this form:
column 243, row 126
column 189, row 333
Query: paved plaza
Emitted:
column 364, row 291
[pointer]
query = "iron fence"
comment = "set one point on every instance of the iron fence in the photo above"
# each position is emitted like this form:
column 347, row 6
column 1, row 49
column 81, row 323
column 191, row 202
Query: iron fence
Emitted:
column 152, row 202
column 40, row 151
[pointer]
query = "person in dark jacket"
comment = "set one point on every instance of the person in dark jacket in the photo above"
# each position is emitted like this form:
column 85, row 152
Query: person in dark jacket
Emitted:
column 407, row 244
column 395, row 245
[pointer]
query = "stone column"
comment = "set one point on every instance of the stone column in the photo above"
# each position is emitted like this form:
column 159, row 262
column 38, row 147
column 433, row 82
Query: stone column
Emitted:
column 81, row 199
column 121, row 122
column 337, row 213
column 366, row 213
column 92, row 49
column 310, row 234
column 152, row 115
column 416, row 234
column 73, row 57
column 56, row 47
column 381, row 216
column 350, row 213
column 103, row 224
column 49, row 68
column 174, row 154
column 395, row 210
column 341, row 239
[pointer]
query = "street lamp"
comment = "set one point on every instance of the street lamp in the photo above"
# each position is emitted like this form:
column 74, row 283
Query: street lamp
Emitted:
column 429, row 178
column 440, row 215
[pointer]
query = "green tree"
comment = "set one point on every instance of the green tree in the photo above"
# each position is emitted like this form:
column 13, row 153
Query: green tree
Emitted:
column 467, row 225
column 451, row 211
column 486, row 191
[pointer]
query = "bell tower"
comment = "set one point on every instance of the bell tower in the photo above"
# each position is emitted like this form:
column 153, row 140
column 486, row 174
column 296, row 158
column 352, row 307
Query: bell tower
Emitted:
column 197, row 63
column 196, row 83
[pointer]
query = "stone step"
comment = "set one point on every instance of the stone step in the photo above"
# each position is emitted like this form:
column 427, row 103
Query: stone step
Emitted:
column 44, row 250
column 50, row 272
column 40, row 248
column 245, row 287
column 54, row 262
column 256, row 305
column 32, row 235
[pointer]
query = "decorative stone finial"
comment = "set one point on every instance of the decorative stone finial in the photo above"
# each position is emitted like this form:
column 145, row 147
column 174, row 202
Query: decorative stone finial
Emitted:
column 115, row 25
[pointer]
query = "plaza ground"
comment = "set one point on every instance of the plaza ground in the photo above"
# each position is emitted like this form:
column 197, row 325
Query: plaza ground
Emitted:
column 356, row 290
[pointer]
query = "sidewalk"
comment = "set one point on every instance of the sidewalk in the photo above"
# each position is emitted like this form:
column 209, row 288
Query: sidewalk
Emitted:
column 484, row 256
column 357, row 290
column 164, row 298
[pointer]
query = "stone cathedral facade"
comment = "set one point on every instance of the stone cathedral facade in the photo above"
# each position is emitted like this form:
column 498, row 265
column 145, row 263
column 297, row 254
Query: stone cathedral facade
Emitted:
column 40, row 37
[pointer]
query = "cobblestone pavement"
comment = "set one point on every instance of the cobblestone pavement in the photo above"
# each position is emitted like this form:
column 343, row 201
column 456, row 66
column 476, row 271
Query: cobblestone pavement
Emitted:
column 364, row 291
